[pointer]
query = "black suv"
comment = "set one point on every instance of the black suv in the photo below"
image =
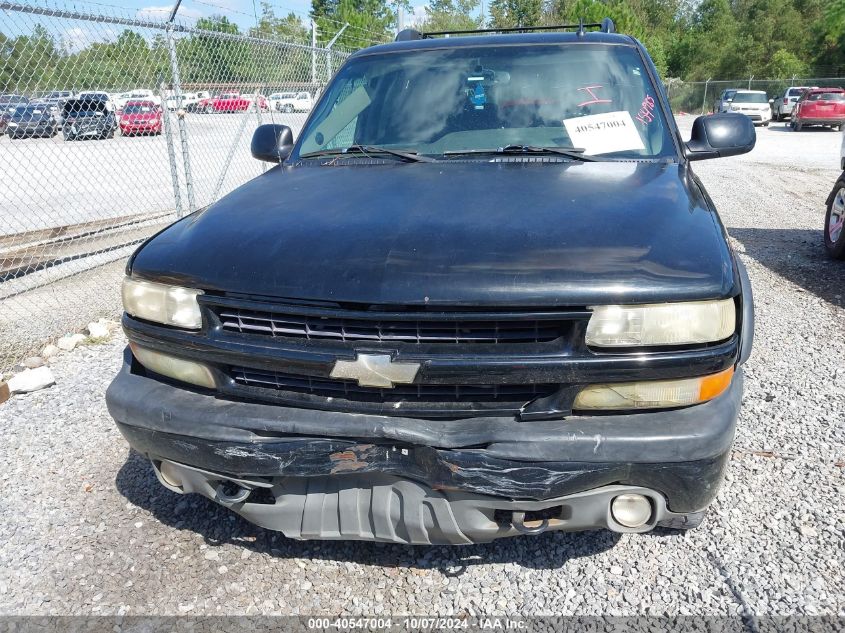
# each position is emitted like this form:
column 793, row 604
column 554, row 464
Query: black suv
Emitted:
column 88, row 117
column 483, row 294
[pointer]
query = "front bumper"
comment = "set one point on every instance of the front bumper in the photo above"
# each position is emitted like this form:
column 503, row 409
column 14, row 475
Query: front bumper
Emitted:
column 309, row 458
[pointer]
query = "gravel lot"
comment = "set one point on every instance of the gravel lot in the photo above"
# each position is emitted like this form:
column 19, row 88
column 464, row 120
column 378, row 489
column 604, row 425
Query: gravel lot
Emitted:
column 87, row 529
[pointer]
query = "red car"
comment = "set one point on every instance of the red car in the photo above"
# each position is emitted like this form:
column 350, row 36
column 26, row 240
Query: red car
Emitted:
column 232, row 102
column 819, row 106
column 140, row 117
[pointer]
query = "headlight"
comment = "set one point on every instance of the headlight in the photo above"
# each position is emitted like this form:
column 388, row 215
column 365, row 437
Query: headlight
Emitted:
column 172, row 367
column 161, row 303
column 661, row 324
column 653, row 394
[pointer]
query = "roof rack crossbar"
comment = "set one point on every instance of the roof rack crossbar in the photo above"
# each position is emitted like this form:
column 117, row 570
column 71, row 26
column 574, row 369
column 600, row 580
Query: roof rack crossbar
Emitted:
column 605, row 25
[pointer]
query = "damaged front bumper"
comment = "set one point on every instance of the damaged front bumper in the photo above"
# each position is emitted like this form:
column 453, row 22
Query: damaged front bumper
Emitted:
column 328, row 475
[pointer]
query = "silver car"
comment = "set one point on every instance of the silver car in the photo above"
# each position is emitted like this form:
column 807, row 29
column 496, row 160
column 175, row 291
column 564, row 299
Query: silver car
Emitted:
column 785, row 103
column 723, row 103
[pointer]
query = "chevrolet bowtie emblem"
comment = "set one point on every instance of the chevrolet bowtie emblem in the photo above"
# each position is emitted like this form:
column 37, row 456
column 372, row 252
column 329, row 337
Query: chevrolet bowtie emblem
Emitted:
column 375, row 370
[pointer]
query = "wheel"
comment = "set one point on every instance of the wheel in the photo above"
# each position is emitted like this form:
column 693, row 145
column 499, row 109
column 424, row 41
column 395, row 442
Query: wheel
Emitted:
column 287, row 108
column 209, row 109
column 684, row 521
column 834, row 235
column 766, row 124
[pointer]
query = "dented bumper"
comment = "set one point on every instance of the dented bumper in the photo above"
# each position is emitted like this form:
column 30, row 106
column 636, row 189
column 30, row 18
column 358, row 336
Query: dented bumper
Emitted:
column 681, row 454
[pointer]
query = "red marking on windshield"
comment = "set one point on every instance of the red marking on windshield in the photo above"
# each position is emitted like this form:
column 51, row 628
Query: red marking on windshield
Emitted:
column 645, row 115
column 595, row 98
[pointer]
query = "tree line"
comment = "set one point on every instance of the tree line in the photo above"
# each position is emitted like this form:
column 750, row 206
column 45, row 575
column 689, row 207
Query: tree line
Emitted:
column 689, row 39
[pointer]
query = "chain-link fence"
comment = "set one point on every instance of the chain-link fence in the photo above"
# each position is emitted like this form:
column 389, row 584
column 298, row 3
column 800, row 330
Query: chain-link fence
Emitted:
column 112, row 127
column 700, row 97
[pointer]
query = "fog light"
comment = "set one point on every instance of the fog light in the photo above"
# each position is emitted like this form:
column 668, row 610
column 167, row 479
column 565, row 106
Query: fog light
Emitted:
column 170, row 474
column 172, row 367
column 631, row 510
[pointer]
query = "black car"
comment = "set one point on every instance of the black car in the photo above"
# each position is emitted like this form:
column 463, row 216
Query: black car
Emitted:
column 34, row 119
column 87, row 118
column 483, row 294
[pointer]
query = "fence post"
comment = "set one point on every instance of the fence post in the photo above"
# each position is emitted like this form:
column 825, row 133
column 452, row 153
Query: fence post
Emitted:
column 180, row 119
column 749, row 81
column 313, row 52
column 171, row 152
column 704, row 100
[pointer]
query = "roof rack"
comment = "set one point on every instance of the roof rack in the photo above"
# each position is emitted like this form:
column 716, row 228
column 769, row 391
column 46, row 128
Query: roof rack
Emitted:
column 605, row 26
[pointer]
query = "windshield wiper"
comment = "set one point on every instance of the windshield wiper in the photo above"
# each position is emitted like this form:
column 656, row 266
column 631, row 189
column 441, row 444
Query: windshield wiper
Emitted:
column 411, row 157
column 575, row 153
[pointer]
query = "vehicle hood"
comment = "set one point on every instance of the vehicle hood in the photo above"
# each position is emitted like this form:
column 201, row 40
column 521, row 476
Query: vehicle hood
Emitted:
column 468, row 233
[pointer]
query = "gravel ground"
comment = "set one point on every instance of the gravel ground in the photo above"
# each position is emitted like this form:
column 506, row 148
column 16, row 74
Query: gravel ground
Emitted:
column 87, row 529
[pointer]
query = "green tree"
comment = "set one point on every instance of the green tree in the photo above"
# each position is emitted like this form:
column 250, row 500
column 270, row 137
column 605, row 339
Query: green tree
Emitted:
column 514, row 13
column 369, row 21
column 451, row 15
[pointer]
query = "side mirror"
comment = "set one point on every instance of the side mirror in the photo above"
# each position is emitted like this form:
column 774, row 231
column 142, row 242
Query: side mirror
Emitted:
column 771, row 101
column 720, row 135
column 272, row 142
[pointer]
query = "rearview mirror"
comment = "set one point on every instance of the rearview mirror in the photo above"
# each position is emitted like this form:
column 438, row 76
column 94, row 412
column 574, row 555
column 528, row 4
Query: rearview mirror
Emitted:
column 720, row 135
column 272, row 142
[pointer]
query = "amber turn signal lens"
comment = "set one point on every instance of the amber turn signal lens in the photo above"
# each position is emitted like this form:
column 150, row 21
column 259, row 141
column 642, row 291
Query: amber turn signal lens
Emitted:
column 715, row 385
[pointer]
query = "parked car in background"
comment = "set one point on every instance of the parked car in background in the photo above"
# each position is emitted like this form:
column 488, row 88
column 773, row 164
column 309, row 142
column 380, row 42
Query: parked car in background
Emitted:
column 754, row 104
column 139, row 94
column 785, row 103
column 819, row 106
column 258, row 99
column 371, row 340
column 295, row 102
column 98, row 95
column 32, row 119
column 188, row 101
column 140, row 117
column 8, row 103
column 274, row 98
column 226, row 102
column 88, row 118
column 723, row 103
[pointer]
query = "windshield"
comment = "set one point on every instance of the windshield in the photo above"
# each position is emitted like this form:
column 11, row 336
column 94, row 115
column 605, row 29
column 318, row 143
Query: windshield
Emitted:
column 27, row 111
column 84, row 108
column 795, row 92
column 137, row 108
column 826, row 96
column 750, row 97
column 594, row 97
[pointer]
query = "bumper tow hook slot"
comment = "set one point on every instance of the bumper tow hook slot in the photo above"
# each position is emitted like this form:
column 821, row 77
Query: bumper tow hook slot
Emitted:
column 228, row 494
column 518, row 522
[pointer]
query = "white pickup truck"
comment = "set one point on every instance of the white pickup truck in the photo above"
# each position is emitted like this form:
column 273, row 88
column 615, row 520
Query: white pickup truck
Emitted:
column 291, row 101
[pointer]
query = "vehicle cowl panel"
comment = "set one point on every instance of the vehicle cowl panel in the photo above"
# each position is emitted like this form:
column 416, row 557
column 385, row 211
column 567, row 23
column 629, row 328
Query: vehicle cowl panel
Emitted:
column 467, row 233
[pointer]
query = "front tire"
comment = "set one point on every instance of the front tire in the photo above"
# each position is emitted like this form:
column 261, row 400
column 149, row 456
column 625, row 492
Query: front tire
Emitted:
column 209, row 109
column 834, row 222
column 287, row 109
